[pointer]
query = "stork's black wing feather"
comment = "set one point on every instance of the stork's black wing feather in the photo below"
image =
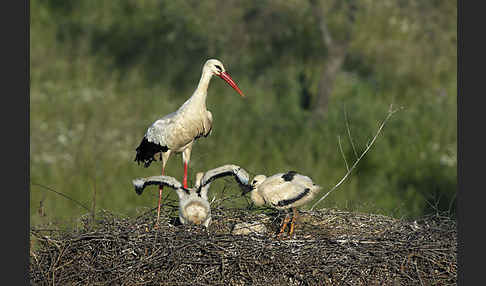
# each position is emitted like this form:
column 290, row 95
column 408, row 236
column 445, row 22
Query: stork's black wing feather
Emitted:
column 146, row 151
column 169, row 181
column 240, row 174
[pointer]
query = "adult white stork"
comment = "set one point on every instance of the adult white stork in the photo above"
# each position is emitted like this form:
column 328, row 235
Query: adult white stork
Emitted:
column 193, row 202
column 177, row 131
column 283, row 191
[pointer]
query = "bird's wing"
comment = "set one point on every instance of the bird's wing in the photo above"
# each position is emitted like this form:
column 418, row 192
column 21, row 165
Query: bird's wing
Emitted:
column 202, row 126
column 141, row 183
column 240, row 174
column 158, row 132
column 290, row 177
column 284, row 194
column 208, row 123
column 278, row 179
column 303, row 180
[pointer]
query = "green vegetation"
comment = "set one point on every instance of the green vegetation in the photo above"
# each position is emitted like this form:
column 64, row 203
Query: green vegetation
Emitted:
column 101, row 72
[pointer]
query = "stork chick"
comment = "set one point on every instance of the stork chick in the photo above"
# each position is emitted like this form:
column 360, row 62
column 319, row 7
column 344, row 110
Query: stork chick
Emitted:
column 283, row 191
column 193, row 203
column 194, row 207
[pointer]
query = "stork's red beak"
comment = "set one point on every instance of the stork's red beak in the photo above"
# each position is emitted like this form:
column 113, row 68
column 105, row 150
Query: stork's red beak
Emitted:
column 226, row 77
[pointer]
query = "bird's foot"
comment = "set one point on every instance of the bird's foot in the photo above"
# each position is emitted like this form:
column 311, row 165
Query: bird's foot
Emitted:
column 292, row 223
column 284, row 226
column 292, row 228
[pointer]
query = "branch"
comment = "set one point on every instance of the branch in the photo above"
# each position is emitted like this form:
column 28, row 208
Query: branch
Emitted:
column 342, row 153
column 59, row 193
column 319, row 14
column 368, row 147
column 349, row 132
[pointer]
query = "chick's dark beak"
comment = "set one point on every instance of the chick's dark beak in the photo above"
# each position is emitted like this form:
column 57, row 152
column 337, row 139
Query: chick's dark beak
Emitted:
column 245, row 189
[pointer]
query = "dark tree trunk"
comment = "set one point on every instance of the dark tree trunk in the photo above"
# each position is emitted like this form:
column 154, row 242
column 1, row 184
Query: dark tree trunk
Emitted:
column 334, row 62
column 337, row 48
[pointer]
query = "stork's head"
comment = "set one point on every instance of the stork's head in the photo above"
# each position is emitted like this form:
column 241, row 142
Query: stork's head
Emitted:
column 258, row 180
column 216, row 67
column 252, row 187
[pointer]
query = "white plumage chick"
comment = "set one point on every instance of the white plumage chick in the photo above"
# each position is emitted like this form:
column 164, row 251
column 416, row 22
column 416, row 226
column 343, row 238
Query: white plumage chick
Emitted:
column 194, row 207
column 283, row 191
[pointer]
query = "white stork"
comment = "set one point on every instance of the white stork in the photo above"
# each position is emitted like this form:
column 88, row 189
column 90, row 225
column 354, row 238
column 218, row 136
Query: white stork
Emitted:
column 177, row 131
column 193, row 203
column 283, row 191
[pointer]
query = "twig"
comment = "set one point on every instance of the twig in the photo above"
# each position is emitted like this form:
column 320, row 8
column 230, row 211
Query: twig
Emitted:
column 368, row 147
column 342, row 153
column 61, row 194
column 349, row 132
column 93, row 205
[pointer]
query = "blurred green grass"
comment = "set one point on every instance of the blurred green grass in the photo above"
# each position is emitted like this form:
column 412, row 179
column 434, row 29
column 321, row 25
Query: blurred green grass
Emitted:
column 88, row 115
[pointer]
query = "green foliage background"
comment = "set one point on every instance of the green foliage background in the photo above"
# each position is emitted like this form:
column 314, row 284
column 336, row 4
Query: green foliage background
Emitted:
column 102, row 71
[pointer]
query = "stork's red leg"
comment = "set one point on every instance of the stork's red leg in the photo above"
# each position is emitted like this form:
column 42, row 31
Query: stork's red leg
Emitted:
column 292, row 223
column 284, row 225
column 160, row 199
column 185, row 175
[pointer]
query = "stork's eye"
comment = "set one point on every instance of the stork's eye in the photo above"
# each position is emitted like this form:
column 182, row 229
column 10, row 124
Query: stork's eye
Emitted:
column 219, row 68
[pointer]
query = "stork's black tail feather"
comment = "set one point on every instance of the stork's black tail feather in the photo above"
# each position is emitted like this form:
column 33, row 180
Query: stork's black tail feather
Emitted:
column 146, row 152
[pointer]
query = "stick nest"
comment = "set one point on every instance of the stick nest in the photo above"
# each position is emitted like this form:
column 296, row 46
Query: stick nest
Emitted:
column 330, row 247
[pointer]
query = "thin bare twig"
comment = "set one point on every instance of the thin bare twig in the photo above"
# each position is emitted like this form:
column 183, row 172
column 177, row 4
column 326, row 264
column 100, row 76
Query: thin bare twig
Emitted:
column 391, row 111
column 349, row 133
column 342, row 153
column 61, row 194
column 93, row 205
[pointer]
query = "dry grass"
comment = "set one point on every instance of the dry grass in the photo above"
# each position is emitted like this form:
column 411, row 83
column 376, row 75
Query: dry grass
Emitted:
column 331, row 247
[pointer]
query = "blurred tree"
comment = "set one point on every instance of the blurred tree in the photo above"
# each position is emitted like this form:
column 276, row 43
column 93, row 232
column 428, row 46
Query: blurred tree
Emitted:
column 411, row 46
column 336, row 19
column 401, row 45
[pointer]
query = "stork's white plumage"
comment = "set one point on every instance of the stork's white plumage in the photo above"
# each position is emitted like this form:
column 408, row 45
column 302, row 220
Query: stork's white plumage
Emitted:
column 283, row 191
column 177, row 131
column 193, row 202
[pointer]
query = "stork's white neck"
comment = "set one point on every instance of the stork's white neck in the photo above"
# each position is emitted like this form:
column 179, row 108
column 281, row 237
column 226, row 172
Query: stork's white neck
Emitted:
column 202, row 88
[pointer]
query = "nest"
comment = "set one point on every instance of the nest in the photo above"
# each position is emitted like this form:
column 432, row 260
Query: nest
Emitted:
column 330, row 247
